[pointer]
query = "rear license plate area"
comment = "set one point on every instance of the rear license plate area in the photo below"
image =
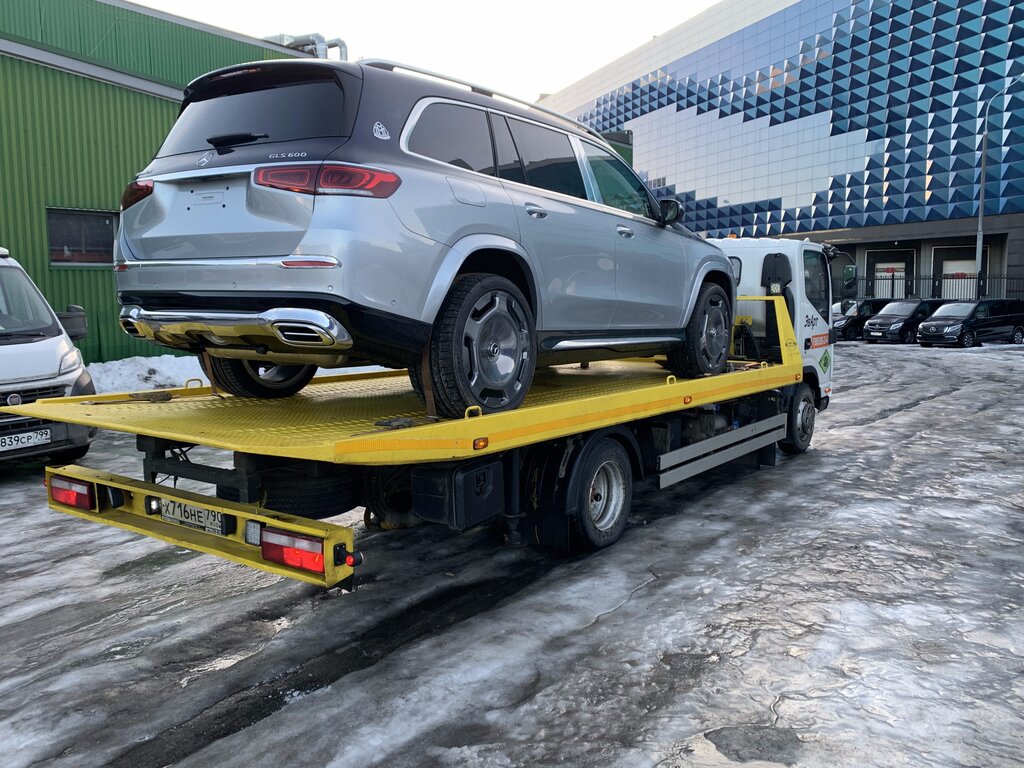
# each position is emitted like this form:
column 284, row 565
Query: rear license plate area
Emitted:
column 192, row 516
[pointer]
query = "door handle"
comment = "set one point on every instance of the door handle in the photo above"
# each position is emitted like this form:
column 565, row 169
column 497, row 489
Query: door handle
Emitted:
column 624, row 231
column 536, row 211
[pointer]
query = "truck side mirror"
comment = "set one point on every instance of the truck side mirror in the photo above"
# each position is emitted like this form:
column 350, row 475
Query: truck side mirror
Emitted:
column 670, row 211
column 75, row 322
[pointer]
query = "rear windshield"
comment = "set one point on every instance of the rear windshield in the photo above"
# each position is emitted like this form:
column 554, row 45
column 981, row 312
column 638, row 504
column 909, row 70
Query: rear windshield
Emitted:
column 899, row 308
column 958, row 310
column 285, row 112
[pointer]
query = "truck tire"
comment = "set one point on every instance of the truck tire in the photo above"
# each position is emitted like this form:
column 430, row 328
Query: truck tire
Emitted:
column 483, row 350
column 605, row 494
column 800, row 422
column 706, row 347
column 248, row 378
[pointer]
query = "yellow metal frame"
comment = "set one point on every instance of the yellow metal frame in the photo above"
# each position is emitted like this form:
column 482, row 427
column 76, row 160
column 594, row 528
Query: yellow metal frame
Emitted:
column 132, row 516
column 351, row 419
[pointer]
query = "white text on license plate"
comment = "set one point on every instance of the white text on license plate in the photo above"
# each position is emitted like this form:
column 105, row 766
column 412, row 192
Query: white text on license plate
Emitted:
column 24, row 440
column 190, row 516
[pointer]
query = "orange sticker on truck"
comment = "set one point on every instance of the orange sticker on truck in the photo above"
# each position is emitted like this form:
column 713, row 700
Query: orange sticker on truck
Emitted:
column 819, row 340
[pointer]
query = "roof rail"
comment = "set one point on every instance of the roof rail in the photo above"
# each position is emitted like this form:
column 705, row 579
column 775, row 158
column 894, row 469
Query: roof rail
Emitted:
column 393, row 65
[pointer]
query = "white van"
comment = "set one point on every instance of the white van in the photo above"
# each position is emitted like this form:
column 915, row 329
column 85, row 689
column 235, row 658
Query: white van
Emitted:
column 38, row 359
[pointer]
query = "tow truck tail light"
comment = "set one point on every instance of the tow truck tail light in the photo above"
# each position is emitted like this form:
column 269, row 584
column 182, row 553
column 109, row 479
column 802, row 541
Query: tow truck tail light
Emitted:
column 293, row 550
column 328, row 180
column 72, row 493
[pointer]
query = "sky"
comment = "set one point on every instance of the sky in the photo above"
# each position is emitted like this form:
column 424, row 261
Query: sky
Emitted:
column 524, row 48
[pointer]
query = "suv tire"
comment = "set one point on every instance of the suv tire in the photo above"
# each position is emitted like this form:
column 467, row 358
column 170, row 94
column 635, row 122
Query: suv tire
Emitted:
column 248, row 378
column 483, row 348
column 706, row 348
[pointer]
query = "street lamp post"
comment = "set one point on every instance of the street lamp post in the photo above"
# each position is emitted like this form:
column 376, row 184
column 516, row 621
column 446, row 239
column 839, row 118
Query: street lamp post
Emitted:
column 981, row 186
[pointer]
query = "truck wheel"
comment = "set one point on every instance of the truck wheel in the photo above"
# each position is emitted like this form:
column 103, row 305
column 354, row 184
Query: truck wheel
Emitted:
column 800, row 424
column 248, row 378
column 606, row 494
column 968, row 339
column 1018, row 336
column 706, row 347
column 483, row 348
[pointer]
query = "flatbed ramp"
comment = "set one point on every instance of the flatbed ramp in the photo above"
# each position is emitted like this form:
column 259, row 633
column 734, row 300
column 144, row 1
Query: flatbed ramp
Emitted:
column 376, row 418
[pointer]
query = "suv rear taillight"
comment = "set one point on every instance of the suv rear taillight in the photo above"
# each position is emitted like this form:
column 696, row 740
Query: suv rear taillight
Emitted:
column 328, row 180
column 135, row 192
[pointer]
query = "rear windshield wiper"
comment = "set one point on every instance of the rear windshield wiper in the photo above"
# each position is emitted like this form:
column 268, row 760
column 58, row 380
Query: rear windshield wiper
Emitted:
column 227, row 139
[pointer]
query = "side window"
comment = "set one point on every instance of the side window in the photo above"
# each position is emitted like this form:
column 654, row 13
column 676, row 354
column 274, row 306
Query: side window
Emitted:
column 998, row 308
column 455, row 135
column 618, row 186
column 981, row 312
column 548, row 159
column 816, row 282
column 509, row 165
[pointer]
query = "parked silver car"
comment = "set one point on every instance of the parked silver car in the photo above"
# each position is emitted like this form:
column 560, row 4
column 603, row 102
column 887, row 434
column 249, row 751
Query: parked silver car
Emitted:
column 315, row 213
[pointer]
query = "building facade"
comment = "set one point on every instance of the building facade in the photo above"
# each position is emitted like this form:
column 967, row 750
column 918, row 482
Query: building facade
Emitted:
column 854, row 123
column 88, row 90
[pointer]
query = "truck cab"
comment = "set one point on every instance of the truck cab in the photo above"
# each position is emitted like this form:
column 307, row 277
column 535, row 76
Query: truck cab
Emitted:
column 799, row 271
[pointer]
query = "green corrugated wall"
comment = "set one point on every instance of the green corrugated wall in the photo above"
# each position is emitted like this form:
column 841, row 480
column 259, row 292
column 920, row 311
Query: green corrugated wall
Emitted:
column 132, row 42
column 68, row 141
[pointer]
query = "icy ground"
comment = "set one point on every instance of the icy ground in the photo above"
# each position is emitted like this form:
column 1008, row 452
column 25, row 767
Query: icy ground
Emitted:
column 860, row 605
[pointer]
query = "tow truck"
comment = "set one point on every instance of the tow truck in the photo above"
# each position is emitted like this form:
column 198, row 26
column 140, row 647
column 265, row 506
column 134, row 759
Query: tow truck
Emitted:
column 558, row 471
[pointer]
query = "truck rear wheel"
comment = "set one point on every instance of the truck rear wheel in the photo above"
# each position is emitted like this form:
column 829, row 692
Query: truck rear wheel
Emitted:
column 800, row 423
column 706, row 347
column 605, row 494
column 249, row 378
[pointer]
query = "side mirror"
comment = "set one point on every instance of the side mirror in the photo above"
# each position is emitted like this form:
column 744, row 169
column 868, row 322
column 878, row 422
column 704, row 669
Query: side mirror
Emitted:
column 670, row 211
column 75, row 322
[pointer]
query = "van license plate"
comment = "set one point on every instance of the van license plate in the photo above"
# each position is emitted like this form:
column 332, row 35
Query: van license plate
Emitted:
column 195, row 517
column 24, row 440
column 876, row 333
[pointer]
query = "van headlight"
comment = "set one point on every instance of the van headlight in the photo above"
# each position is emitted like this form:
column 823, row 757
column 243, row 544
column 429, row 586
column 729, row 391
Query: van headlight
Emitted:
column 896, row 326
column 841, row 322
column 954, row 328
column 72, row 361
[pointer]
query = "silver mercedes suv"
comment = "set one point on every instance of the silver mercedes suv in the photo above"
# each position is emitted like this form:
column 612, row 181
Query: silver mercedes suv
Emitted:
column 320, row 213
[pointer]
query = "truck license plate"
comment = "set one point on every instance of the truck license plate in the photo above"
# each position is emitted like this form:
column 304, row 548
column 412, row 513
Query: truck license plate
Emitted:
column 24, row 440
column 194, row 517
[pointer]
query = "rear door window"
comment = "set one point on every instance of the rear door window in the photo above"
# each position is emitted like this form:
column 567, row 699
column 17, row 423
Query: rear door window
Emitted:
column 548, row 159
column 455, row 135
column 510, row 167
column 263, row 115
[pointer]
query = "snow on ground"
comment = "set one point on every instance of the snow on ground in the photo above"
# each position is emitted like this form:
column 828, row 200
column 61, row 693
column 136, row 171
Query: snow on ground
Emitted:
column 860, row 605
column 135, row 374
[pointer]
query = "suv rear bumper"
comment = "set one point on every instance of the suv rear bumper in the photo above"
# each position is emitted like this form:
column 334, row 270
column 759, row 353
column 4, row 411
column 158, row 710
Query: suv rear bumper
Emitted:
column 285, row 328
column 279, row 333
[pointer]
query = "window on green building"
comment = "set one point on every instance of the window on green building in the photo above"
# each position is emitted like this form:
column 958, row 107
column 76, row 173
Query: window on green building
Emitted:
column 80, row 237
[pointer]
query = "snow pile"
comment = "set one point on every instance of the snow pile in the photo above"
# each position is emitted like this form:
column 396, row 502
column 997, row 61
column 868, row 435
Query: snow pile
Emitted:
column 135, row 374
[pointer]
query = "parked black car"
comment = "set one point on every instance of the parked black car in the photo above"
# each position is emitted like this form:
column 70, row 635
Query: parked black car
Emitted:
column 969, row 323
column 851, row 325
column 898, row 320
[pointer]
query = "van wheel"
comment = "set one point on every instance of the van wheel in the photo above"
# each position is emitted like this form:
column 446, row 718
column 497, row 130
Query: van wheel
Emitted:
column 706, row 347
column 907, row 337
column 483, row 348
column 606, row 494
column 248, row 378
column 968, row 339
column 416, row 380
column 800, row 422
column 1018, row 336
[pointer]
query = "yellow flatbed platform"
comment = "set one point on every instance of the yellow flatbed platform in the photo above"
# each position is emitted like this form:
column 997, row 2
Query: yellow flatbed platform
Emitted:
column 352, row 419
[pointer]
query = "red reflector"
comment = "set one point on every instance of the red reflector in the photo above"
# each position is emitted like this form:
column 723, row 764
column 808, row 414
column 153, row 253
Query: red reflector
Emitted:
column 328, row 180
column 71, row 493
column 293, row 550
column 294, row 178
column 135, row 192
